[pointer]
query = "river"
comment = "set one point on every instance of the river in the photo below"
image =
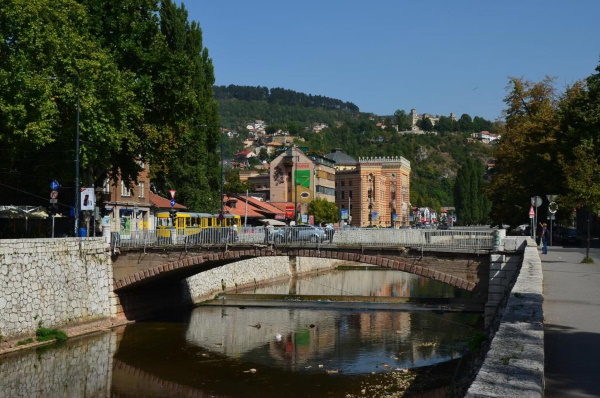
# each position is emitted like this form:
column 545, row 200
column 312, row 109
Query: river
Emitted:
column 268, row 351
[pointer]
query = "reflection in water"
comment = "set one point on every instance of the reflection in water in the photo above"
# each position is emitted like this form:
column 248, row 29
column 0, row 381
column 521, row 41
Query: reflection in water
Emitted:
column 345, row 341
column 210, row 352
column 81, row 367
column 363, row 283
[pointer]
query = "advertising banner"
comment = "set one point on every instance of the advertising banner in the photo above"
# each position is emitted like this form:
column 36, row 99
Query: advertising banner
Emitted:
column 88, row 199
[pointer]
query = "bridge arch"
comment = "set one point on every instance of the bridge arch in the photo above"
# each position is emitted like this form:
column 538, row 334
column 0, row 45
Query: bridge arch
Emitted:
column 194, row 263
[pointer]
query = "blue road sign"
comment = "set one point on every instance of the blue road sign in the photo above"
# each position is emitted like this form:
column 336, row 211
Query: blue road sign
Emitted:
column 344, row 214
column 172, row 202
column 54, row 185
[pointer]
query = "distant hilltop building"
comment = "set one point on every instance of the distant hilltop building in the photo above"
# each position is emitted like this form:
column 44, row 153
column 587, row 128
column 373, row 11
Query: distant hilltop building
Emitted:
column 434, row 119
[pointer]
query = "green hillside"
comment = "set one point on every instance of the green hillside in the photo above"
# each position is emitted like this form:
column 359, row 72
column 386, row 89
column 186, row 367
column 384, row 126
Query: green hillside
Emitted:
column 435, row 157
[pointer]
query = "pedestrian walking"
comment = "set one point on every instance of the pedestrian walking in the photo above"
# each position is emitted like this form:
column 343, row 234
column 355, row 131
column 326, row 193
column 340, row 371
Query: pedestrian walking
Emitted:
column 544, row 238
column 329, row 231
column 268, row 232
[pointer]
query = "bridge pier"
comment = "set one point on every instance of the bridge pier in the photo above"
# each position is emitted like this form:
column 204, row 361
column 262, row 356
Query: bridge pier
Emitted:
column 504, row 269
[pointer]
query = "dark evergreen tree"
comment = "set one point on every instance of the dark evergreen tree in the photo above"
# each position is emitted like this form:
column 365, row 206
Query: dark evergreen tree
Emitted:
column 472, row 206
column 465, row 123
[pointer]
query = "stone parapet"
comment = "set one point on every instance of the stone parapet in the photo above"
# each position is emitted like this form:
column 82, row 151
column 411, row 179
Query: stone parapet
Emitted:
column 514, row 364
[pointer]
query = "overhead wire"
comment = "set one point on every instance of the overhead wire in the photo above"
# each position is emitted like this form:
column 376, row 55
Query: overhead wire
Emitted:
column 31, row 194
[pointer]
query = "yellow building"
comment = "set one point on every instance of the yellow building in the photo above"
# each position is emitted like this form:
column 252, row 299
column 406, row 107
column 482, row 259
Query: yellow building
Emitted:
column 373, row 192
column 298, row 178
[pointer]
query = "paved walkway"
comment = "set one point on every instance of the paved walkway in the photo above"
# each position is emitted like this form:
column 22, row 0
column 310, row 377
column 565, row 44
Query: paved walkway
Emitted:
column 571, row 322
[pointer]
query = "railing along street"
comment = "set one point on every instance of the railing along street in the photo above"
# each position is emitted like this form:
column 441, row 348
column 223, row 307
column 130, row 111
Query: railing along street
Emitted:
column 447, row 240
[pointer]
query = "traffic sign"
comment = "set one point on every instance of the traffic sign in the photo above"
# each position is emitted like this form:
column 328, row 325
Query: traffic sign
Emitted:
column 172, row 192
column 172, row 202
column 52, row 201
column 54, row 185
column 53, row 194
column 531, row 212
column 536, row 201
column 552, row 207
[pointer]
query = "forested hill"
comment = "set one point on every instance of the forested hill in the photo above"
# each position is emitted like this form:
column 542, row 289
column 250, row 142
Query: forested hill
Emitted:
column 239, row 105
column 281, row 96
column 435, row 157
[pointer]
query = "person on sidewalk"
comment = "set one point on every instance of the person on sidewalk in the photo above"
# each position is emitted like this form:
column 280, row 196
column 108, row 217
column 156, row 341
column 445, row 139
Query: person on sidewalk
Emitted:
column 268, row 232
column 544, row 237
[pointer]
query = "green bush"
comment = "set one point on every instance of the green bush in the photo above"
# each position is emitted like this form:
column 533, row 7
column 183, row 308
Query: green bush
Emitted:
column 44, row 334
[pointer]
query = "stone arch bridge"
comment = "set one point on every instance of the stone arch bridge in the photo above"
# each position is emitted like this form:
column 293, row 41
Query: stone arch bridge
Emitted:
column 147, row 280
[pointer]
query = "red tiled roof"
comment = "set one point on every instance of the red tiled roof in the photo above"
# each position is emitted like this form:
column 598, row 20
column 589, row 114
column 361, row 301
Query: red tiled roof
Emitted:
column 163, row 203
column 256, row 207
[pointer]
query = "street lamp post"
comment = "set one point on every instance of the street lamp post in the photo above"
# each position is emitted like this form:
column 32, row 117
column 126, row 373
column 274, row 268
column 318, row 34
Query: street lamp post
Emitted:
column 77, row 163
column 221, row 198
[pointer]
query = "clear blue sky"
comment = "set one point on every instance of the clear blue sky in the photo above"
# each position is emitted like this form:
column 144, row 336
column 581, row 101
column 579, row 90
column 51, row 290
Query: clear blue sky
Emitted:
column 436, row 56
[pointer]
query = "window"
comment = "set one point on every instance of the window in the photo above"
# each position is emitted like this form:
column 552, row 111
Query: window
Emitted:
column 141, row 186
column 106, row 186
column 342, row 195
column 125, row 190
column 343, row 183
column 326, row 190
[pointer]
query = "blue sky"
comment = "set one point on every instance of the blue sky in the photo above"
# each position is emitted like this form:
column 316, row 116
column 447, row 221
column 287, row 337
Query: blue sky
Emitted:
column 436, row 56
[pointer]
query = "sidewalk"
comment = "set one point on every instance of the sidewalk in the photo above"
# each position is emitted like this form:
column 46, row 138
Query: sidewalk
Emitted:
column 571, row 322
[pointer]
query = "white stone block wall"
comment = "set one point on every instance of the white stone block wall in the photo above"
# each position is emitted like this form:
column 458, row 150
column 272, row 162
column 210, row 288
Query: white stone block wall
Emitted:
column 253, row 271
column 503, row 268
column 53, row 283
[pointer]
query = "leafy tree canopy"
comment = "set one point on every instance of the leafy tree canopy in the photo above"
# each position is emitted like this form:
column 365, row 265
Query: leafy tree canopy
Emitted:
column 323, row 211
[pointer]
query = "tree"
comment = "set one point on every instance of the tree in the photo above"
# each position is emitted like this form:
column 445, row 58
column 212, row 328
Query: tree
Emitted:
column 465, row 123
column 425, row 124
column 471, row 204
column 51, row 61
column 233, row 184
column 403, row 120
column 323, row 211
column 527, row 161
column 580, row 151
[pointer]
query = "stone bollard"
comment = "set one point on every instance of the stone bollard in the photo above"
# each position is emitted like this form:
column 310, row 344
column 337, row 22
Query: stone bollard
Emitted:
column 106, row 233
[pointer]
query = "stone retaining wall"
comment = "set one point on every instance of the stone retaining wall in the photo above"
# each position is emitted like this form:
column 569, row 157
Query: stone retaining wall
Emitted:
column 253, row 271
column 514, row 364
column 53, row 283
column 503, row 269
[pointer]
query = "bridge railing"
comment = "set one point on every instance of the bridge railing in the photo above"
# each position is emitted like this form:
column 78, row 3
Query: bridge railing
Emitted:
column 447, row 240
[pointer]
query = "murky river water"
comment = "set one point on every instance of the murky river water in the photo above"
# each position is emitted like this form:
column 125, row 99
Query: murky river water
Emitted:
column 218, row 351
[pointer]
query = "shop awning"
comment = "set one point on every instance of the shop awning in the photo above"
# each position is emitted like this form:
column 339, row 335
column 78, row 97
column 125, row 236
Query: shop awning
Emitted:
column 273, row 222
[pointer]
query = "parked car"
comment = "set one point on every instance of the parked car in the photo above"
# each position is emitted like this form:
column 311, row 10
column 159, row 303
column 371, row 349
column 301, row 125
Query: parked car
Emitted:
column 298, row 233
column 570, row 236
column 214, row 235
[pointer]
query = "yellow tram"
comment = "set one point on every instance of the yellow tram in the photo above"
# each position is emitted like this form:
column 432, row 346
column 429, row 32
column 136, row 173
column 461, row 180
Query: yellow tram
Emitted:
column 187, row 223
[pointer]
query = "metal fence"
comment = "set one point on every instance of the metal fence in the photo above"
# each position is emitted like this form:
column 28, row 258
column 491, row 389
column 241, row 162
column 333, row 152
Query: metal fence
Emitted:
column 448, row 240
